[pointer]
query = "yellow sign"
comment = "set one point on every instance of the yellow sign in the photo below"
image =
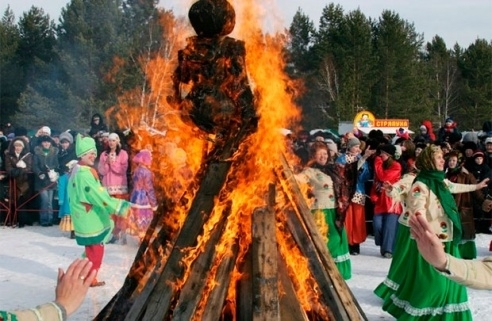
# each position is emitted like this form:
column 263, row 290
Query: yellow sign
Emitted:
column 364, row 119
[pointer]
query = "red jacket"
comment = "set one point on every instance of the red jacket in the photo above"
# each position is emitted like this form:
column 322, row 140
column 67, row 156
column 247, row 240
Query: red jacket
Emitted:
column 382, row 202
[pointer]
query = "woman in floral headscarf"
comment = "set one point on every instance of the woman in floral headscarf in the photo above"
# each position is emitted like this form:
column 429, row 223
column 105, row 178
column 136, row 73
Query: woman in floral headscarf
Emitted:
column 425, row 294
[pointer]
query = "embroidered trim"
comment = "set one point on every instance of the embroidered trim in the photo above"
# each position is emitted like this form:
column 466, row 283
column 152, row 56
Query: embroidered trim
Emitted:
column 448, row 308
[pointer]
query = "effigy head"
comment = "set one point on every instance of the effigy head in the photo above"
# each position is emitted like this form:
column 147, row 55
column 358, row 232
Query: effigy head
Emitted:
column 212, row 18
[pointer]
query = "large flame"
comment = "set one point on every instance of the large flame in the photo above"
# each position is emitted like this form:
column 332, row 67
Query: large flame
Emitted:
column 180, row 150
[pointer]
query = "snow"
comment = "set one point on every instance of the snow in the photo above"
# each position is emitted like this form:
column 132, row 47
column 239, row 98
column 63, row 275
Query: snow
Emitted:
column 30, row 257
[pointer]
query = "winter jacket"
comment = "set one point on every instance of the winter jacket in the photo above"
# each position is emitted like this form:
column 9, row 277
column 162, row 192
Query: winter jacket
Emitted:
column 382, row 202
column 21, row 175
column 43, row 163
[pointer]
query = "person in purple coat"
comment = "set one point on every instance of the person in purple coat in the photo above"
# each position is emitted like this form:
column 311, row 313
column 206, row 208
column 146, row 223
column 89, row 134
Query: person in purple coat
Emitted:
column 143, row 194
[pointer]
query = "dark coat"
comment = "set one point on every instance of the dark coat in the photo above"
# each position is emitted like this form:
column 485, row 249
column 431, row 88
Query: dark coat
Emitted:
column 42, row 164
column 21, row 175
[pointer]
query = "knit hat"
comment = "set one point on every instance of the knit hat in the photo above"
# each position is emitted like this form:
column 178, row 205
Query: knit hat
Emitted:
column 449, row 120
column 143, row 157
column 478, row 153
column 488, row 140
column 84, row 145
column 388, row 149
column 46, row 129
column 423, row 128
column 66, row 136
column 19, row 142
column 352, row 142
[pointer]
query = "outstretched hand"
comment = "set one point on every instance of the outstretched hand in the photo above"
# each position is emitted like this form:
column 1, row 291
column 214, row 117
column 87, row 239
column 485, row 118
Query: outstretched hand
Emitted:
column 483, row 183
column 429, row 245
column 72, row 285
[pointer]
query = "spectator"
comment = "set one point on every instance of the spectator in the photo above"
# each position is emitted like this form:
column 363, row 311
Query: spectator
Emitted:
column 464, row 201
column 97, row 126
column 449, row 132
column 18, row 165
column 41, row 132
column 426, row 134
column 66, row 159
column 45, row 167
column 386, row 212
column 488, row 151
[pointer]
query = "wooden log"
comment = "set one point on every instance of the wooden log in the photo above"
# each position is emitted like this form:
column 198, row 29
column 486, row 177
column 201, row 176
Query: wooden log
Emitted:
column 159, row 289
column 264, row 262
column 290, row 307
column 244, row 290
column 216, row 298
column 192, row 291
column 320, row 274
column 344, row 294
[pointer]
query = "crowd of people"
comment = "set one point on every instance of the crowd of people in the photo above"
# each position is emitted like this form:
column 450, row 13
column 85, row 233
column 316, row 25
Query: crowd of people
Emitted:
column 445, row 178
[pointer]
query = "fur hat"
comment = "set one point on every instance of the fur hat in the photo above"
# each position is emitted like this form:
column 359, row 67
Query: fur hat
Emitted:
column 45, row 139
column 388, row 149
column 66, row 136
column 143, row 157
column 84, row 145
column 469, row 145
column 352, row 142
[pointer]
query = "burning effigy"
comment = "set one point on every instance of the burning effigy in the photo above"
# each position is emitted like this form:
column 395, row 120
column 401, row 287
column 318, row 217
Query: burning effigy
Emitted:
column 248, row 247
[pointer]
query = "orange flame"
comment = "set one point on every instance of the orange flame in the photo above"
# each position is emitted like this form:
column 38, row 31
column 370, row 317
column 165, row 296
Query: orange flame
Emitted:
column 155, row 122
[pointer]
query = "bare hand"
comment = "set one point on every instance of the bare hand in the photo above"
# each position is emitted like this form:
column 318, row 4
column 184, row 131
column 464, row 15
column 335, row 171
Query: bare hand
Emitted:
column 72, row 286
column 483, row 183
column 387, row 187
column 430, row 247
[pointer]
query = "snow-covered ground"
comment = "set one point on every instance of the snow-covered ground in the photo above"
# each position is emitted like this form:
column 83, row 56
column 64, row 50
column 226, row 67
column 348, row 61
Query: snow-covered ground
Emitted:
column 29, row 259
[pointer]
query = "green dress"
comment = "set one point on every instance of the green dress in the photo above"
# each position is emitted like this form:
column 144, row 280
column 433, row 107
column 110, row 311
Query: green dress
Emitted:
column 419, row 291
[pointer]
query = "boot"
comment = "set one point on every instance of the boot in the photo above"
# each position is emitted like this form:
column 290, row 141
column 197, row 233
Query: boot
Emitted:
column 72, row 235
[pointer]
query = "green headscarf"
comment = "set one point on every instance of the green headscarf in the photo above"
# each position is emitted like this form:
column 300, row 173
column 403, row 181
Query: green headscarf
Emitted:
column 434, row 180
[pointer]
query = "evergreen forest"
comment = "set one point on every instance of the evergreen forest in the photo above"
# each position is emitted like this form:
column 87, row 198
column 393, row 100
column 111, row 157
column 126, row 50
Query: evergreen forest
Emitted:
column 98, row 57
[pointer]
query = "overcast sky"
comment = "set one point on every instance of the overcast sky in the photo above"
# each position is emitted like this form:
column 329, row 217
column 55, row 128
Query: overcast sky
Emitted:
column 460, row 21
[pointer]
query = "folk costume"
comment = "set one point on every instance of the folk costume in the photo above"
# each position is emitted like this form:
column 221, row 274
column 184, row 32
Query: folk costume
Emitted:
column 426, row 294
column 143, row 195
column 91, row 206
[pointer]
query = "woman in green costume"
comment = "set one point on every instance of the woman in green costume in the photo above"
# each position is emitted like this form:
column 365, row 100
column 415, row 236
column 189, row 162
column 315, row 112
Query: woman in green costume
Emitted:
column 326, row 186
column 424, row 293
